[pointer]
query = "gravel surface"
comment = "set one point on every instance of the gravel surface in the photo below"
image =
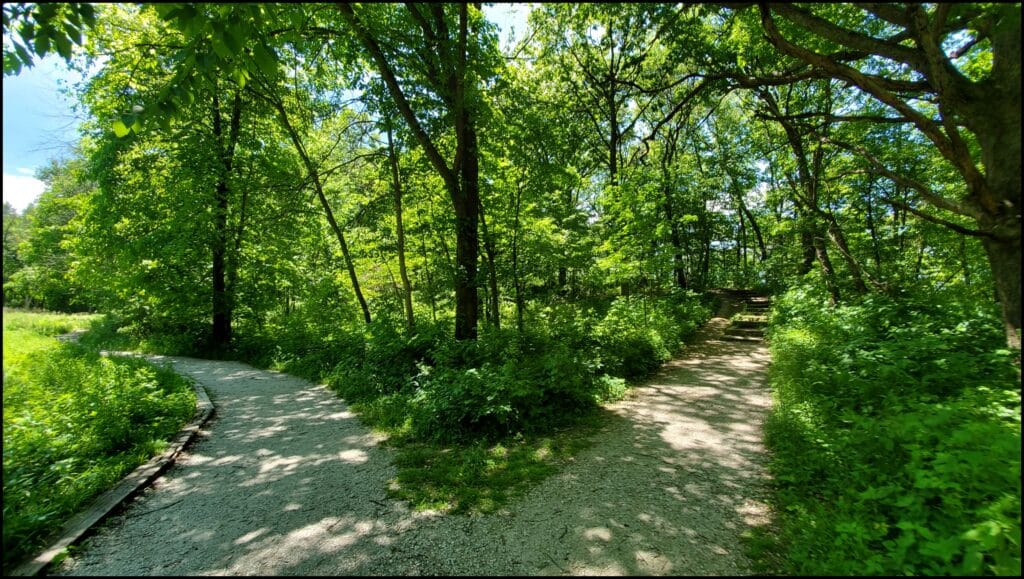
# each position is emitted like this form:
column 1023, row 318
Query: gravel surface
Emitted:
column 284, row 480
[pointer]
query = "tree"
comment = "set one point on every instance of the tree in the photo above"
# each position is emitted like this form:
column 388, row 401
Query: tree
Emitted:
column 450, row 64
column 953, row 71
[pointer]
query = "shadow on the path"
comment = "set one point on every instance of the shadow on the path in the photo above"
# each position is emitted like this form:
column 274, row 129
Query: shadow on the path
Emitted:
column 288, row 482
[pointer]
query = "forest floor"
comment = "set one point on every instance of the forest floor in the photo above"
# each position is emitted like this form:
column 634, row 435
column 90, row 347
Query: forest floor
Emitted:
column 284, row 480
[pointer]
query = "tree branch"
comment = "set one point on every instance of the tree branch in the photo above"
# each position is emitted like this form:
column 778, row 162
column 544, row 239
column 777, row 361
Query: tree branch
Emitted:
column 926, row 193
column 384, row 68
column 829, row 31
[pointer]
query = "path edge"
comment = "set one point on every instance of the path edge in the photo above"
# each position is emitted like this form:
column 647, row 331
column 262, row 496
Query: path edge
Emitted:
column 79, row 525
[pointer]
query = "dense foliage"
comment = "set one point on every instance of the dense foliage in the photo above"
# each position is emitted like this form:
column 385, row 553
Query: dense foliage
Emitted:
column 74, row 424
column 896, row 436
column 476, row 241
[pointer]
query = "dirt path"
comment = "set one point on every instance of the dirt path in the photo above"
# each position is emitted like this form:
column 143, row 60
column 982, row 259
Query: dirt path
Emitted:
column 285, row 481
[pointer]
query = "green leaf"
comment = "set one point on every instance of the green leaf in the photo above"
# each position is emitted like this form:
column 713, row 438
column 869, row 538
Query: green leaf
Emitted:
column 231, row 40
column 120, row 129
column 265, row 59
column 63, row 45
column 42, row 44
column 167, row 11
column 88, row 14
column 22, row 53
column 221, row 48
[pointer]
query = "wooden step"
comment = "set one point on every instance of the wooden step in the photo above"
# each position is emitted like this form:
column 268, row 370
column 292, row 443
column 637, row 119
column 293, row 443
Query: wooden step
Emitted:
column 745, row 331
column 749, row 323
column 741, row 338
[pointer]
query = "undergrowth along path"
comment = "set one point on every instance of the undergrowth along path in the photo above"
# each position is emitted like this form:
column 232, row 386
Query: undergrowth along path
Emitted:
column 286, row 481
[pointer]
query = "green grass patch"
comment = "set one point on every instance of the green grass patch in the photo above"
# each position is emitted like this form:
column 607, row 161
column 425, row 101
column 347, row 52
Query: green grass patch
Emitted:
column 46, row 323
column 481, row 477
column 74, row 424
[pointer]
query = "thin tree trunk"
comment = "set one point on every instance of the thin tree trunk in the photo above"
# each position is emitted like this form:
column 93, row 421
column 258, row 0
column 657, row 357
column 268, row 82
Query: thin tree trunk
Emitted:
column 493, row 316
column 835, row 233
column 875, row 249
column 678, row 272
column 430, row 281
column 396, row 181
column 827, row 271
column 763, row 255
column 517, row 284
column 318, row 186
column 741, row 249
column 461, row 178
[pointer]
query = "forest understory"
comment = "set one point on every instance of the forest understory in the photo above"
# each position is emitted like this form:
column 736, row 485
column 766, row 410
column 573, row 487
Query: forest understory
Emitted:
column 481, row 233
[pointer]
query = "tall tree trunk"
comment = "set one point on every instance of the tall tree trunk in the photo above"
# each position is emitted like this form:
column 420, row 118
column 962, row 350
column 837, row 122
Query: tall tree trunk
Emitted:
column 222, row 302
column 461, row 178
column 675, row 236
column 835, row 233
column 396, row 184
column 827, row 271
column 875, row 248
column 516, row 283
column 466, row 197
column 1000, row 138
column 1004, row 258
column 808, row 252
column 430, row 281
column 762, row 249
column 741, row 250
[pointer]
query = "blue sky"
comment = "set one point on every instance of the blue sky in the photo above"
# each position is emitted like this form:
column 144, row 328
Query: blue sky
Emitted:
column 39, row 124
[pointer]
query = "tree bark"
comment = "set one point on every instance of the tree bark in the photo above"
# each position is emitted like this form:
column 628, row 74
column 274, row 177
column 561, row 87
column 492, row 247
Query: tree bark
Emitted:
column 222, row 300
column 827, row 271
column 517, row 284
column 314, row 176
column 1004, row 257
column 988, row 107
column 675, row 236
column 461, row 178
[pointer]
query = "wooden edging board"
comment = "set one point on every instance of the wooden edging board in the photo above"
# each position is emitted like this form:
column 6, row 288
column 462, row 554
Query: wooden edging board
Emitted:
column 80, row 524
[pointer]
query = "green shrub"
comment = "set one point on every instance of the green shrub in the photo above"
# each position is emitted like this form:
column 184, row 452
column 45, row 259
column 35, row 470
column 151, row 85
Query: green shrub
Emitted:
column 431, row 386
column 74, row 424
column 637, row 335
column 895, row 436
column 530, row 382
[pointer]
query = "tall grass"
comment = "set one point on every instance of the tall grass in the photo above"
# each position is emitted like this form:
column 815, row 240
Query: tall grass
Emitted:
column 74, row 424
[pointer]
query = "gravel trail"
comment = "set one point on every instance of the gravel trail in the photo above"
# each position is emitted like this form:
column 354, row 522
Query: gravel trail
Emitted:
column 284, row 480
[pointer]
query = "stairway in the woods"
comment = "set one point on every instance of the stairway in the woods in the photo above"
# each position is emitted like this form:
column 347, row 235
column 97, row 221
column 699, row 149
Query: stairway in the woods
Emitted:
column 747, row 324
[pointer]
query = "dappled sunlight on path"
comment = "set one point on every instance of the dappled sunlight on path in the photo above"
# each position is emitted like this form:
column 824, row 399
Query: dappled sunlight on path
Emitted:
column 285, row 481
column 283, row 473
column 669, row 487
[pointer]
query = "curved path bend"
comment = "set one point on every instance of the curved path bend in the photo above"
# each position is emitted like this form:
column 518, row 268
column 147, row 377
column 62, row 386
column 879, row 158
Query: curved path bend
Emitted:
column 284, row 480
